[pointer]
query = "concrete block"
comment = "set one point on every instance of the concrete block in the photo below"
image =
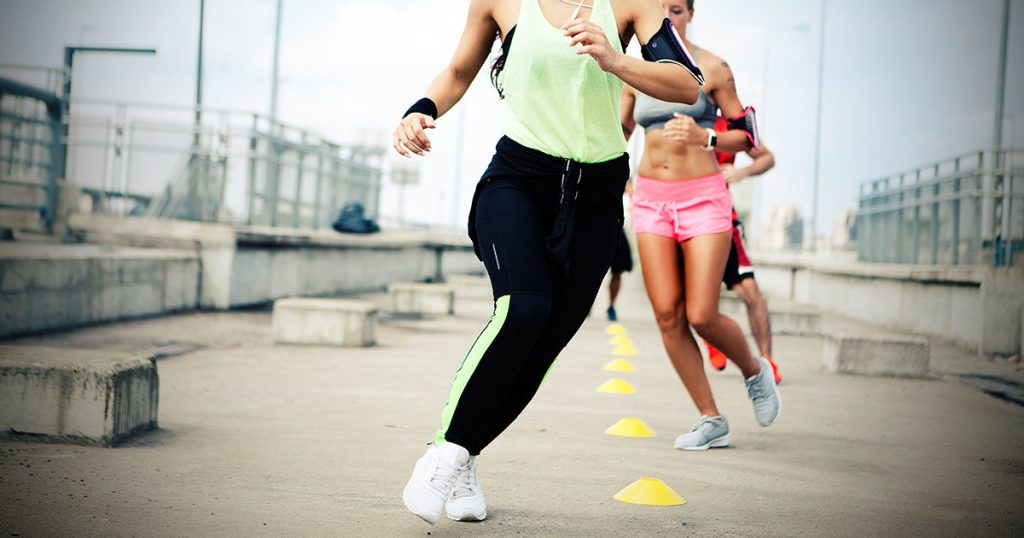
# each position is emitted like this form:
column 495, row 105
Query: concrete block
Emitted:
column 331, row 322
column 470, row 286
column 788, row 319
column 419, row 298
column 180, row 286
column 16, row 276
column 78, row 396
column 894, row 356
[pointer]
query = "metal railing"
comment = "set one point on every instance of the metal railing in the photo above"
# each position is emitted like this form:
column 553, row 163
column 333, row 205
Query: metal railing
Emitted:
column 141, row 159
column 31, row 153
column 965, row 210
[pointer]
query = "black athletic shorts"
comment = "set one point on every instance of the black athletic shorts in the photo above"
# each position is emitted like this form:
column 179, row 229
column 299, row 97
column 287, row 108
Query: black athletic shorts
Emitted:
column 738, row 268
column 623, row 260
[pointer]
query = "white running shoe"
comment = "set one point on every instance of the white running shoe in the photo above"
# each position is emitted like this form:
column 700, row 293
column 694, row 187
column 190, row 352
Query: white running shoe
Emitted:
column 765, row 395
column 467, row 502
column 433, row 480
column 709, row 432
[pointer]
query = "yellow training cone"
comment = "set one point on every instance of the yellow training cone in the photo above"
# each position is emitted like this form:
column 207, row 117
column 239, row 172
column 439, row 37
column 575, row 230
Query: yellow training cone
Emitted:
column 616, row 386
column 649, row 491
column 630, row 427
column 620, row 340
column 615, row 328
column 625, row 350
column 619, row 365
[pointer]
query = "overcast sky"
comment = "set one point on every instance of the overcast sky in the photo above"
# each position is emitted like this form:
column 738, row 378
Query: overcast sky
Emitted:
column 906, row 81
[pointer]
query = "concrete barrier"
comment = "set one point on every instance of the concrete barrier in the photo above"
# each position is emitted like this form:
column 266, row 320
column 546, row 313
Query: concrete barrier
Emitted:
column 470, row 286
column 76, row 396
column 422, row 299
column 131, row 267
column 254, row 265
column 786, row 319
column 46, row 287
column 329, row 322
column 876, row 355
column 977, row 306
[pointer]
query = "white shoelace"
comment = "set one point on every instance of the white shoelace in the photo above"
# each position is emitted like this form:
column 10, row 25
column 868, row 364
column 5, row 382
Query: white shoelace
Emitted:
column 445, row 475
column 464, row 483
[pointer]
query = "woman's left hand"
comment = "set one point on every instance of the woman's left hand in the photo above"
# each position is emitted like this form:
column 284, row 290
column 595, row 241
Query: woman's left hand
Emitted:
column 732, row 174
column 594, row 42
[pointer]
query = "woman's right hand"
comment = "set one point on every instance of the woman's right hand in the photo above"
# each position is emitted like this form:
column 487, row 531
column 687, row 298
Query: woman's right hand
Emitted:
column 684, row 130
column 410, row 135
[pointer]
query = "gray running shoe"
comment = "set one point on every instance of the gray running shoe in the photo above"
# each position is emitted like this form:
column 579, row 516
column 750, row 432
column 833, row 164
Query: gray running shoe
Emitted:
column 765, row 395
column 709, row 432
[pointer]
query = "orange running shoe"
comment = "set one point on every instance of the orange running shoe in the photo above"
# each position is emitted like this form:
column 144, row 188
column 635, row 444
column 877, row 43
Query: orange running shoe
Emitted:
column 716, row 357
column 775, row 369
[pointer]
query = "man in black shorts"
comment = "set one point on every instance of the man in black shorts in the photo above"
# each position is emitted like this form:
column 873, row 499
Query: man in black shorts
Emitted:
column 623, row 262
column 739, row 274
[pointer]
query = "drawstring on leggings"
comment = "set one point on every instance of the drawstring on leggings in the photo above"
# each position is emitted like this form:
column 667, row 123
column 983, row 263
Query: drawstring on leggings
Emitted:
column 561, row 232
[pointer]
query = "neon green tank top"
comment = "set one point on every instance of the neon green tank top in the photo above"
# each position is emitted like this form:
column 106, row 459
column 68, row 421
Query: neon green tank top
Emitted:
column 556, row 101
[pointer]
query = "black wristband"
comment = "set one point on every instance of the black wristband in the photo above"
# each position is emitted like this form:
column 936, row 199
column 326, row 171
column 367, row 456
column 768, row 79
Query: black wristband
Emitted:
column 423, row 106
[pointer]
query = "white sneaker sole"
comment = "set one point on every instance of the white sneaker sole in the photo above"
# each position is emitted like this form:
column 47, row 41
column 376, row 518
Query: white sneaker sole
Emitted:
column 720, row 442
column 418, row 511
column 469, row 517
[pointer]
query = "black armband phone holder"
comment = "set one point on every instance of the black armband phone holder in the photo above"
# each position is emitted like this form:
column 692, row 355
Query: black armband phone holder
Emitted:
column 747, row 122
column 667, row 46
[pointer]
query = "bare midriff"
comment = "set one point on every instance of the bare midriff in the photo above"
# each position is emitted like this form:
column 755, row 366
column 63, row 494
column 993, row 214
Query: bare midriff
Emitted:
column 668, row 160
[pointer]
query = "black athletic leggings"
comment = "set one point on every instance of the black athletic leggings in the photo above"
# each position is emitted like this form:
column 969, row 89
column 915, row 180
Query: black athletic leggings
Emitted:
column 546, row 229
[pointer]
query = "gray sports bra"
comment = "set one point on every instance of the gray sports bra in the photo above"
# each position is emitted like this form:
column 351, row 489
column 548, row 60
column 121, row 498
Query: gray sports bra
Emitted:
column 651, row 113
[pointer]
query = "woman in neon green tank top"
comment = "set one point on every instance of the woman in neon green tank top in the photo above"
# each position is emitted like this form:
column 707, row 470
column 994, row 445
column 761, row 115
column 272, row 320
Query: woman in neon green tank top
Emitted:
column 547, row 212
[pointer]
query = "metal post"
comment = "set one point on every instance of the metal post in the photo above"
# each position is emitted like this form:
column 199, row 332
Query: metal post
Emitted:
column 336, row 187
column 199, row 78
column 56, row 128
column 277, row 53
column 274, row 173
column 62, row 161
column 899, row 223
column 954, row 240
column 817, row 145
column 317, row 204
column 297, row 205
column 997, row 135
column 935, row 219
column 915, row 240
column 253, row 145
column 1007, row 200
column 989, row 180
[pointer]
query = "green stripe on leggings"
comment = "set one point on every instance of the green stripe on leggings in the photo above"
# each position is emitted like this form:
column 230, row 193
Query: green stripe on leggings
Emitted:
column 482, row 344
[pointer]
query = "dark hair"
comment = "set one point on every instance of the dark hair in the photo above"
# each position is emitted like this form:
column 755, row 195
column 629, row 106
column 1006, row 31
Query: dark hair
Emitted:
column 689, row 4
column 499, row 62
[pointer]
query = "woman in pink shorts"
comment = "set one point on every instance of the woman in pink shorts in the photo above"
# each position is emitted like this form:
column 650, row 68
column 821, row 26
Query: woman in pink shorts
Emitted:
column 682, row 215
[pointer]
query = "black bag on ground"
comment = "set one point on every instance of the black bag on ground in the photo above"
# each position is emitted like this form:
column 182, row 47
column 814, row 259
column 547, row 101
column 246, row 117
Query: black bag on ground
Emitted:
column 352, row 220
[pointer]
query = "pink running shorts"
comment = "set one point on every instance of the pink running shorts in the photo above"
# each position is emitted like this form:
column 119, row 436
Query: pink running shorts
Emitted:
column 682, row 210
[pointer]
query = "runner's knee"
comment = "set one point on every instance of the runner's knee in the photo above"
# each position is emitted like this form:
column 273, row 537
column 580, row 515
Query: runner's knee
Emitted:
column 671, row 319
column 528, row 313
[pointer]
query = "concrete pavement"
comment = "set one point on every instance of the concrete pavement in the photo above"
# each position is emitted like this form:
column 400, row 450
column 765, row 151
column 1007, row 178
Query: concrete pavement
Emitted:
column 257, row 439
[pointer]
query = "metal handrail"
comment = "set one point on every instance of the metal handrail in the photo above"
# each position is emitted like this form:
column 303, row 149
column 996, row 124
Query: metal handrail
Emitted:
column 23, row 132
column 964, row 209
column 265, row 172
